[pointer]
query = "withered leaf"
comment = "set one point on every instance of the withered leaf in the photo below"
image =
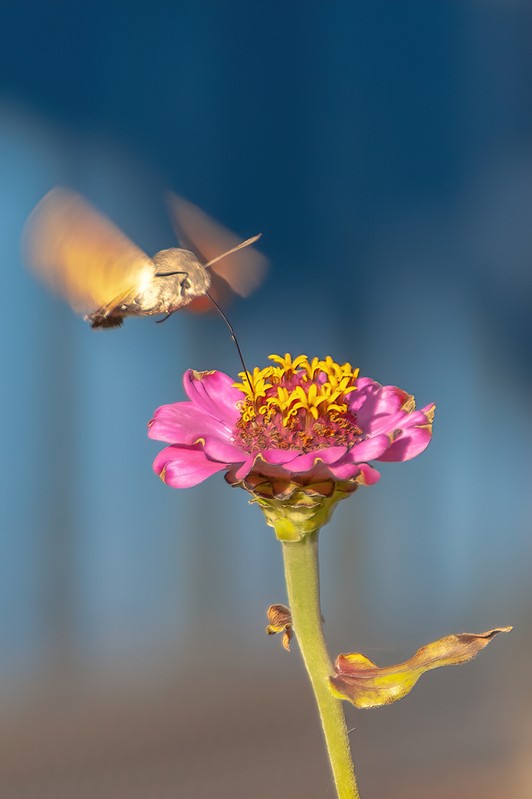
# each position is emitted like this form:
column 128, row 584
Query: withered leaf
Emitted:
column 363, row 683
column 280, row 620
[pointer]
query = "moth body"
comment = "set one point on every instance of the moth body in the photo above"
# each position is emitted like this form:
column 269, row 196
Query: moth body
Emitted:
column 178, row 278
column 86, row 259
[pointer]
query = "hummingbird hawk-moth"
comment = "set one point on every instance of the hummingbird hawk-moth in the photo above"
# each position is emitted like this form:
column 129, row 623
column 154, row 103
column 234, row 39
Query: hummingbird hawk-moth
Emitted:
column 86, row 259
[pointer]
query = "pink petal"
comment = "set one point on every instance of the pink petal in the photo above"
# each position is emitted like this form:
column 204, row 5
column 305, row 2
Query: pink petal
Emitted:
column 414, row 438
column 345, row 469
column 214, row 393
column 248, row 466
column 369, row 474
column 366, row 388
column 370, row 449
column 219, row 449
column 279, row 456
column 184, row 423
column 308, row 461
column 400, row 420
column 183, row 467
column 380, row 405
column 269, row 462
column 409, row 444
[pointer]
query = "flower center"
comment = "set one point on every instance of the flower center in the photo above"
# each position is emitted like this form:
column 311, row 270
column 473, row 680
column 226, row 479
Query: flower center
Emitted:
column 297, row 404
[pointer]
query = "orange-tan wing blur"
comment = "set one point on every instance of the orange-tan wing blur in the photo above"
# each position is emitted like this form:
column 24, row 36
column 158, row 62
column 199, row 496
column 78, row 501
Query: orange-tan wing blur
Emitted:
column 243, row 271
column 81, row 255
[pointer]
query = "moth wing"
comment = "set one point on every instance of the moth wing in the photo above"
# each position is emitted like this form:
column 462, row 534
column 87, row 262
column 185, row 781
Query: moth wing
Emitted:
column 81, row 255
column 242, row 271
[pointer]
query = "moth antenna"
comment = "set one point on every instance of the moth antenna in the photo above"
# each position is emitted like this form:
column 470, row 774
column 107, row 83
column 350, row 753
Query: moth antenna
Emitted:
column 240, row 246
column 230, row 326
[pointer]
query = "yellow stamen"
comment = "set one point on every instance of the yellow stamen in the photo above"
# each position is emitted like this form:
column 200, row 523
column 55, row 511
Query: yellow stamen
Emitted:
column 296, row 385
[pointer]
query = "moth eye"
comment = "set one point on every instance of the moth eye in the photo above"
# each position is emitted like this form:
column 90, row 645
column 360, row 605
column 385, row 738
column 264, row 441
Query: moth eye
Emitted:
column 185, row 283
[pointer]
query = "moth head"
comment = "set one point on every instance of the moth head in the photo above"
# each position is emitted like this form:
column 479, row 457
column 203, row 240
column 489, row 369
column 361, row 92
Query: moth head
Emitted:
column 183, row 269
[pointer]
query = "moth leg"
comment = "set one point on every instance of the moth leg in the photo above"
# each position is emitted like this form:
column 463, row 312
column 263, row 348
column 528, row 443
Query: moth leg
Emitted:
column 160, row 321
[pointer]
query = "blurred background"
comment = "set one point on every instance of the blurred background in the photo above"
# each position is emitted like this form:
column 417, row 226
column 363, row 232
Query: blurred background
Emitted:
column 385, row 152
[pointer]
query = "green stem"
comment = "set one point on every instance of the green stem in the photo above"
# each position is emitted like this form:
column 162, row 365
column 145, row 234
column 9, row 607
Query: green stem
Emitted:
column 303, row 587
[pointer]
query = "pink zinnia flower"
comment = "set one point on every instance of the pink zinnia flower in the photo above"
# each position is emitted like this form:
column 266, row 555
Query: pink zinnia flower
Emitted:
column 297, row 433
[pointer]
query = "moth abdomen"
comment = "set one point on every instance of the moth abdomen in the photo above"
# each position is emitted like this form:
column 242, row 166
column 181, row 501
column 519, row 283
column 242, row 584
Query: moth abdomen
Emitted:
column 97, row 319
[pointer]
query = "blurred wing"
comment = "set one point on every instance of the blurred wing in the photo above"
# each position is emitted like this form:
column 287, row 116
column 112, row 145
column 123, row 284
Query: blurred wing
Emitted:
column 243, row 271
column 81, row 255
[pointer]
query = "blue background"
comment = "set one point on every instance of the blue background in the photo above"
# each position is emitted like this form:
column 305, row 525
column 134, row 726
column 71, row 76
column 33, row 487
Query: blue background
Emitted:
column 384, row 150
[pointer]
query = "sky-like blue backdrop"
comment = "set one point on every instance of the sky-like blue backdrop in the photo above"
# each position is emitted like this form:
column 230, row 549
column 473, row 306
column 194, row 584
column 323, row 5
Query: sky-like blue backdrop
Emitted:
column 384, row 150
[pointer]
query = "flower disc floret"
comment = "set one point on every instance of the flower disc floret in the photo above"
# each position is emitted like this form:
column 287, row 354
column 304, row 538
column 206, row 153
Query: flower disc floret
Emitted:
column 297, row 405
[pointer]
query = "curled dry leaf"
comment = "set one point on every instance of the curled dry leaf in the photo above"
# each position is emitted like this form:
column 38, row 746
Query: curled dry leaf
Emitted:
column 361, row 682
column 280, row 620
